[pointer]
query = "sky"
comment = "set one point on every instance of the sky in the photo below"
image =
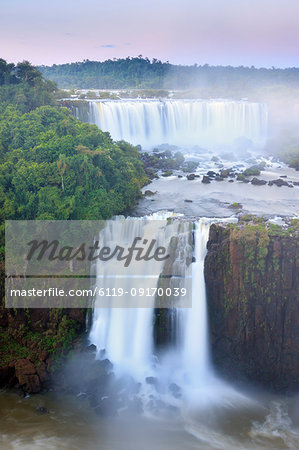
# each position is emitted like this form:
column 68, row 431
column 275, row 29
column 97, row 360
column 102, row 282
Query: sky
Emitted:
column 263, row 33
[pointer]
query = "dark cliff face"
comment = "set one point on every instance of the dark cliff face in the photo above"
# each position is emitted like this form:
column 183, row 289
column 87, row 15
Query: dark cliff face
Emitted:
column 250, row 272
column 34, row 343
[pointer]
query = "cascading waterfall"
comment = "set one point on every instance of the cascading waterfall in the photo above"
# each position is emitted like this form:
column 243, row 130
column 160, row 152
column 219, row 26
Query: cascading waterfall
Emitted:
column 126, row 334
column 195, row 339
column 185, row 123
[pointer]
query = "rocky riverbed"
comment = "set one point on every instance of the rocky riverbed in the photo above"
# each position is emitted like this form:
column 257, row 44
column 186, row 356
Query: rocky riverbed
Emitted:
column 218, row 184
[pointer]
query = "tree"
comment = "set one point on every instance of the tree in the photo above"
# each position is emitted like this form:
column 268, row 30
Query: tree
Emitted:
column 62, row 166
column 28, row 73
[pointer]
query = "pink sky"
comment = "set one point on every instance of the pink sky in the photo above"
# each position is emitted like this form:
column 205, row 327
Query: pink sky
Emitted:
column 227, row 32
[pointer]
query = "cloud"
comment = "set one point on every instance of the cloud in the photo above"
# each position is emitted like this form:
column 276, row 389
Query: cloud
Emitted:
column 107, row 46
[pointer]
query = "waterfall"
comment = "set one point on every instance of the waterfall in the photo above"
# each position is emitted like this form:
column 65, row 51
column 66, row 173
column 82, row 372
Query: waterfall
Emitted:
column 185, row 123
column 195, row 339
column 126, row 334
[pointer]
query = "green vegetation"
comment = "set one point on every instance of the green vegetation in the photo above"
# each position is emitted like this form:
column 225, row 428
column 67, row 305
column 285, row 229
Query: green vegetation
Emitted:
column 23, row 342
column 53, row 166
column 251, row 171
column 236, row 205
column 253, row 253
column 166, row 161
column 248, row 224
column 23, row 86
column 278, row 88
column 142, row 73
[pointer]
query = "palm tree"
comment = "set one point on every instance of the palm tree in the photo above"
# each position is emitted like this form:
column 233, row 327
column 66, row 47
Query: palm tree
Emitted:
column 62, row 166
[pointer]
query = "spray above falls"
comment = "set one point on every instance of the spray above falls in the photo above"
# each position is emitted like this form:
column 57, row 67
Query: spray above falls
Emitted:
column 184, row 123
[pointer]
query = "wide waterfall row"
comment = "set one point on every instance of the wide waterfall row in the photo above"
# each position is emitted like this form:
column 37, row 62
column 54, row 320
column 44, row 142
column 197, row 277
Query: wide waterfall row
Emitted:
column 185, row 123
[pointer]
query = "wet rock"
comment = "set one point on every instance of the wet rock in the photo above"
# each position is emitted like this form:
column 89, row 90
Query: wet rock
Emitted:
column 252, row 294
column 24, row 367
column 31, row 384
column 43, row 356
column 211, row 173
column 251, row 171
column 102, row 353
column 205, row 180
column 191, row 176
column 152, row 380
column 104, row 364
column 296, row 183
column 188, row 201
column 236, row 206
column 257, row 182
column 175, row 390
column 43, row 373
column 224, row 173
column 219, row 178
column 180, row 176
column 148, row 193
column 41, row 410
column 231, row 181
column 91, row 348
column 279, row 182
column 168, row 173
column 190, row 166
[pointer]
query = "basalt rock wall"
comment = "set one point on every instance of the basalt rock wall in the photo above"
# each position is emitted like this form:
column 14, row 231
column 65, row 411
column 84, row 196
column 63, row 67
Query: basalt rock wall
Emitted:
column 251, row 272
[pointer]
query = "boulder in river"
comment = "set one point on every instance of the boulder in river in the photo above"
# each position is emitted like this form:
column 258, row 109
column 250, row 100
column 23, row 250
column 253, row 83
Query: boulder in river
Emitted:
column 211, row 173
column 279, row 182
column 224, row 173
column 205, row 180
column 257, row 182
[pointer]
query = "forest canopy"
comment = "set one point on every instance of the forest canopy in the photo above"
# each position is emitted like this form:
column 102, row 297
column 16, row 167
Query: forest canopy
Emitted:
column 142, row 72
column 53, row 166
